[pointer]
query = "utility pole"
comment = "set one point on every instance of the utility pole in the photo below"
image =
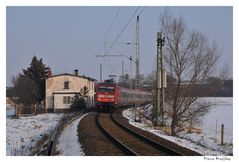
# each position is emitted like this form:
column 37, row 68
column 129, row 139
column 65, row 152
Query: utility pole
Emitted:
column 100, row 73
column 137, row 77
column 137, row 81
column 131, row 73
column 160, row 80
column 123, row 84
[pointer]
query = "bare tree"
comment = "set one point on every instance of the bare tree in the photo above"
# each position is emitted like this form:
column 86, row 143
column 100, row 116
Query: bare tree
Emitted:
column 190, row 58
column 223, row 75
column 224, row 72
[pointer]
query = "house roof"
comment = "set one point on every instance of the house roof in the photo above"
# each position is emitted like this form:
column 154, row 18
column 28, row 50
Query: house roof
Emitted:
column 68, row 74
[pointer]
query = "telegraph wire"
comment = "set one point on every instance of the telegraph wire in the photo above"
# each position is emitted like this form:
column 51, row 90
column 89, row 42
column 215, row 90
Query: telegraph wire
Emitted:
column 123, row 29
column 111, row 26
column 107, row 63
column 140, row 12
column 107, row 52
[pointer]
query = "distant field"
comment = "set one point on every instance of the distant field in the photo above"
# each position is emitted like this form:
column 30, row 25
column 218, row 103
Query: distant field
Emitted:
column 220, row 113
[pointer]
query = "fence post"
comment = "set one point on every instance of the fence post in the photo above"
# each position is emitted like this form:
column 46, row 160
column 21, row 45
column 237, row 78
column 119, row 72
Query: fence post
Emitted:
column 216, row 133
column 16, row 112
column 222, row 134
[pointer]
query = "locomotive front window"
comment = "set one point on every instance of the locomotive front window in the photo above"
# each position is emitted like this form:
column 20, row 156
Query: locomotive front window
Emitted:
column 106, row 89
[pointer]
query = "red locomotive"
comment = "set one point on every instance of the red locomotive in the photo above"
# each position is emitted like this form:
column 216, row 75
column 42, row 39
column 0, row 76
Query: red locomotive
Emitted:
column 110, row 96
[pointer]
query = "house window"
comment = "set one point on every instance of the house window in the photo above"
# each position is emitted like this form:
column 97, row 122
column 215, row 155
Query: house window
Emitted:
column 66, row 85
column 66, row 100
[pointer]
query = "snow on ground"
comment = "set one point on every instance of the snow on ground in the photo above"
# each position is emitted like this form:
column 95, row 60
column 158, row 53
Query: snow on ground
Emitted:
column 68, row 144
column 203, row 143
column 221, row 113
column 23, row 134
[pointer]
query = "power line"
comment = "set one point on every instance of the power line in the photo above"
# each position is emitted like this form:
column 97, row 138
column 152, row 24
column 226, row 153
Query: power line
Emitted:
column 118, row 35
column 110, row 48
column 132, row 16
column 113, row 21
column 142, row 11
column 106, row 38
column 110, row 67
column 107, row 66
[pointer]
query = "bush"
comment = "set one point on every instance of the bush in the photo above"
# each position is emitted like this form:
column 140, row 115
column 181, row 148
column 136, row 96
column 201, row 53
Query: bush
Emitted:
column 78, row 103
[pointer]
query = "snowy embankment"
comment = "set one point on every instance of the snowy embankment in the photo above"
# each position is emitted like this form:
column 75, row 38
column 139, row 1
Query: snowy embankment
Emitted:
column 68, row 144
column 25, row 134
column 205, row 142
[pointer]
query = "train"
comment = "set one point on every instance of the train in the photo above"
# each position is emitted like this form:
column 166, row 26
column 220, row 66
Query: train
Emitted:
column 110, row 96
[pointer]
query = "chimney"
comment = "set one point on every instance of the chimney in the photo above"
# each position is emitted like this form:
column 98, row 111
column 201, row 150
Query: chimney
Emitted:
column 49, row 73
column 76, row 72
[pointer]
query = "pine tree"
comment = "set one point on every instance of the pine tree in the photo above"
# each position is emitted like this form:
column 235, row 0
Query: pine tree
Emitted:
column 37, row 72
column 78, row 101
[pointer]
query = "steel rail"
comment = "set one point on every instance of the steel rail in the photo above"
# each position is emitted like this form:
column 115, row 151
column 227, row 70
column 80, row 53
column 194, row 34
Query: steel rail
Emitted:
column 122, row 146
column 146, row 139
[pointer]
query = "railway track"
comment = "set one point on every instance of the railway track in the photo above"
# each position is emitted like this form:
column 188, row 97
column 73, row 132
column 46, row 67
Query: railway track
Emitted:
column 155, row 144
column 121, row 145
column 129, row 141
column 93, row 141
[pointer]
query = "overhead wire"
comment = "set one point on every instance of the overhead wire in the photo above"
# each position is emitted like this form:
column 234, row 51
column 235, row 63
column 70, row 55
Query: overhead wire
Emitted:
column 133, row 39
column 106, row 38
column 107, row 65
column 125, row 26
column 118, row 35
column 106, row 52
column 140, row 12
column 112, row 23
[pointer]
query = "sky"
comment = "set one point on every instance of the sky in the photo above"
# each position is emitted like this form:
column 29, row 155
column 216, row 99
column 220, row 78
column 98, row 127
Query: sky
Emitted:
column 68, row 38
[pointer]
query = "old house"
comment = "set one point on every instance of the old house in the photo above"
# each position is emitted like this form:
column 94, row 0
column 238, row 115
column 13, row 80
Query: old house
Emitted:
column 60, row 89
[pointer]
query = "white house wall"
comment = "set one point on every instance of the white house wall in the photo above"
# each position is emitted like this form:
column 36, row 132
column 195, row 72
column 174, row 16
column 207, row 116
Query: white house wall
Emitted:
column 55, row 85
column 58, row 101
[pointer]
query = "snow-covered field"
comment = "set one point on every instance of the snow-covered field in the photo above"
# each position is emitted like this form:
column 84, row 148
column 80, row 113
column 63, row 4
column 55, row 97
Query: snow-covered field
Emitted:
column 68, row 144
column 220, row 113
column 204, row 143
column 24, row 133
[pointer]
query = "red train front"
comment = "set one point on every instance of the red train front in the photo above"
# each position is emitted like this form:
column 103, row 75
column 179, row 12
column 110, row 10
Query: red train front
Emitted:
column 106, row 95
